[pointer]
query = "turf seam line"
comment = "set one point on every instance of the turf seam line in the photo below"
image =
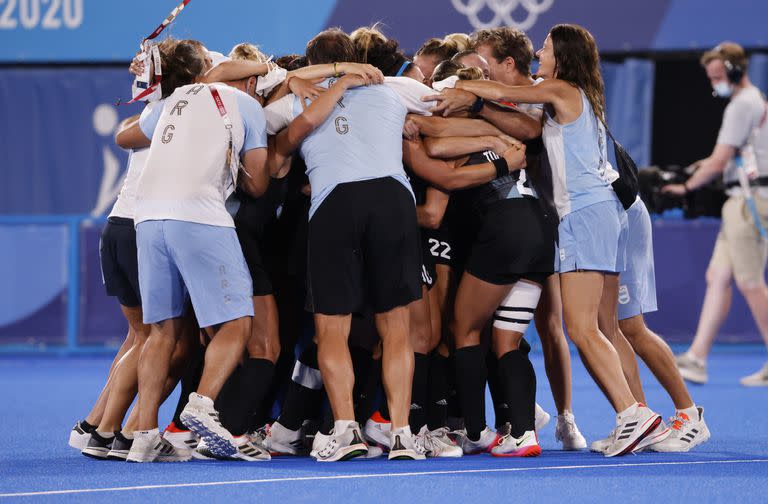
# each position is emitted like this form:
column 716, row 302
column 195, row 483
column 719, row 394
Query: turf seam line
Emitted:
column 373, row 475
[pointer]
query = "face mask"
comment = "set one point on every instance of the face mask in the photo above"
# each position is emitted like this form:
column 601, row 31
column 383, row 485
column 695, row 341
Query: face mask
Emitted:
column 723, row 89
column 267, row 83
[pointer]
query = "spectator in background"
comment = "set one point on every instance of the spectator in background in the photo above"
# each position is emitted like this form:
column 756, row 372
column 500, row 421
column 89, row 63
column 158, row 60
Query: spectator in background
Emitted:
column 740, row 253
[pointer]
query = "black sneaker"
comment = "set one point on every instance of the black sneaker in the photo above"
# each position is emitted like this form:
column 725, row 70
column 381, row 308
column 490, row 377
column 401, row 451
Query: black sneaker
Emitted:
column 79, row 435
column 120, row 447
column 98, row 446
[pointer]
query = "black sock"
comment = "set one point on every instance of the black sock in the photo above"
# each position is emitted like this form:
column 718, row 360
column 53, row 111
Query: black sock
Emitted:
column 519, row 380
column 362, row 361
column 384, row 405
column 437, row 404
column 470, row 385
column 302, row 402
column 190, row 381
column 255, row 381
column 326, row 417
column 418, row 414
column 86, row 426
column 368, row 400
column 496, row 388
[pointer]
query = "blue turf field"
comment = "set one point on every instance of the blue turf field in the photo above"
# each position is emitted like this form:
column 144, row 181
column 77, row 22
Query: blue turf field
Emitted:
column 40, row 398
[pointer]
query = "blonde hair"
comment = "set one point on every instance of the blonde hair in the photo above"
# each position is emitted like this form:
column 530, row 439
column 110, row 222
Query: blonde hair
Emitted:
column 470, row 73
column 365, row 38
column 460, row 41
column 246, row 51
column 444, row 48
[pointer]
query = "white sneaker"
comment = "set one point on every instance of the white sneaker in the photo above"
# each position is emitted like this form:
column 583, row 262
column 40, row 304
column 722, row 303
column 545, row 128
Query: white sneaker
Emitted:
column 202, row 452
column 250, row 449
column 283, row 441
column 488, row 439
column 203, row 419
column 568, row 433
column 685, row 433
column 148, row 446
column 692, row 368
column 601, row 445
column 374, row 451
column 184, row 440
column 318, row 443
column 378, row 431
column 438, row 443
column 542, row 418
column 79, row 436
column 526, row 445
column 344, row 445
column 631, row 428
column 759, row 379
column 657, row 435
column 404, row 446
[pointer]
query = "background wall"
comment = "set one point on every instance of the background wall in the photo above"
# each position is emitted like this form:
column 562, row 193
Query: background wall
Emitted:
column 62, row 70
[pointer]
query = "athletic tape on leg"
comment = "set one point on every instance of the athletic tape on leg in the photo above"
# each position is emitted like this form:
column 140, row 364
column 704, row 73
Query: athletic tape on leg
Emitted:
column 516, row 311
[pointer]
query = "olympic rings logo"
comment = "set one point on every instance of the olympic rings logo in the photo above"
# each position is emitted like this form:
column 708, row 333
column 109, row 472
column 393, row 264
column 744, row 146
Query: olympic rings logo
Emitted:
column 502, row 12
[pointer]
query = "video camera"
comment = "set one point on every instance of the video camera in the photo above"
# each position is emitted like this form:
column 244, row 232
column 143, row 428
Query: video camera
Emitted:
column 706, row 201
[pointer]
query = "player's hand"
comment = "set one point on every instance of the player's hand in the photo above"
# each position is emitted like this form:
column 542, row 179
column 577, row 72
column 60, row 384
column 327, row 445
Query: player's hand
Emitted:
column 137, row 66
column 515, row 156
column 411, row 130
column 370, row 73
column 451, row 101
column 305, row 89
column 674, row 190
column 354, row 80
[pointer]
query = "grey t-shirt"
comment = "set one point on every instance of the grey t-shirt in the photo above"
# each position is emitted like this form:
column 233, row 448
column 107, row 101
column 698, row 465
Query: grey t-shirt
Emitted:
column 744, row 121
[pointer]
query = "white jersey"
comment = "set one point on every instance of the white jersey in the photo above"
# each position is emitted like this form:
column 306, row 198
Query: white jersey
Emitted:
column 187, row 176
column 137, row 158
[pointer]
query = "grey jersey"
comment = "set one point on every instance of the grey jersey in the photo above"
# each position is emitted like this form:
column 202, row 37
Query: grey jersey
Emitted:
column 744, row 123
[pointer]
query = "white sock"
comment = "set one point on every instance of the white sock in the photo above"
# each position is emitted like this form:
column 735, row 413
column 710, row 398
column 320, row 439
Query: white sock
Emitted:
column 340, row 426
column 691, row 412
column 629, row 411
column 700, row 362
column 403, row 431
column 202, row 400
column 127, row 434
column 106, row 435
column 147, row 433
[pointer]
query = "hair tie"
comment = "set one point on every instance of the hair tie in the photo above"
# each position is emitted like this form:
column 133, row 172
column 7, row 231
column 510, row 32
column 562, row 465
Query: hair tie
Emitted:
column 402, row 68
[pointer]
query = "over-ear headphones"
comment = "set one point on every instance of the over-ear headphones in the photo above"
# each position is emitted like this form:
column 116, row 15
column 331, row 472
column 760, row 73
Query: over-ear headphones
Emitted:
column 734, row 72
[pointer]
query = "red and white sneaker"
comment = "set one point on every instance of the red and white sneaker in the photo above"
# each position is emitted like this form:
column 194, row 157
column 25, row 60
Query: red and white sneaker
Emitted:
column 526, row 445
column 659, row 434
column 685, row 434
column 183, row 439
column 377, row 430
column 488, row 439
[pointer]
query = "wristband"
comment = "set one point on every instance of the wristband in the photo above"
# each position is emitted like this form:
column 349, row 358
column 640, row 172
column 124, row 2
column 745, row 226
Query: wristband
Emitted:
column 335, row 70
column 477, row 106
column 502, row 167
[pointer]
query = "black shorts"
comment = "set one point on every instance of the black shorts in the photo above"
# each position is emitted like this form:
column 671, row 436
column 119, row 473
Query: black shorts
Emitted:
column 119, row 261
column 428, row 271
column 364, row 248
column 514, row 242
column 249, row 242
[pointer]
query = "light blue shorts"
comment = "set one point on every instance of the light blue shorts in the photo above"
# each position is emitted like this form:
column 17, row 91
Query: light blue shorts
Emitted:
column 593, row 238
column 637, row 285
column 179, row 259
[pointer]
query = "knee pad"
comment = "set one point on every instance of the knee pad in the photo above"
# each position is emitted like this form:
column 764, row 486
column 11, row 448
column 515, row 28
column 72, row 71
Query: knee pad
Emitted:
column 516, row 311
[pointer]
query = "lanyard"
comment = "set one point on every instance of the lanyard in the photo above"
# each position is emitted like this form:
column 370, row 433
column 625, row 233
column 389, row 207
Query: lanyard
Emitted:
column 233, row 161
column 153, row 52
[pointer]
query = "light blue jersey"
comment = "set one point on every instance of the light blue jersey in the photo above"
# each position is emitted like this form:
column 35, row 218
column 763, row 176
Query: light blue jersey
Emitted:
column 581, row 174
column 360, row 140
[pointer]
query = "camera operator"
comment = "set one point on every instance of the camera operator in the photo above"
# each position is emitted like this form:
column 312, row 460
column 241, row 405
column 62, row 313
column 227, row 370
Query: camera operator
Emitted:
column 740, row 252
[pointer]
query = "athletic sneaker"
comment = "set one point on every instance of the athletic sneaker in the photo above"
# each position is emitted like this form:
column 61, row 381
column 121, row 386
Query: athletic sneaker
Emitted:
column 657, row 435
column 632, row 426
column 759, row 379
column 250, row 450
column 488, row 439
column 202, row 452
column 374, row 451
column 98, row 446
column 203, row 419
column 568, row 433
column 601, row 445
column 281, row 440
column 148, row 446
column 438, row 443
column 526, row 445
column 183, row 439
column 80, row 434
column 692, row 368
column 405, row 446
column 377, row 430
column 121, row 446
column 685, row 433
column 542, row 418
column 344, row 445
